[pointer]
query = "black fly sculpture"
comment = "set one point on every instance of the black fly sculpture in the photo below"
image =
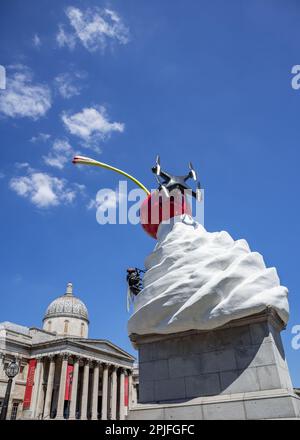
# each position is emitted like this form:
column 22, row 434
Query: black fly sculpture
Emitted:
column 135, row 283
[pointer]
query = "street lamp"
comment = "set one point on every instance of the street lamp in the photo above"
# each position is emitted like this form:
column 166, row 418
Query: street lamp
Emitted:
column 11, row 371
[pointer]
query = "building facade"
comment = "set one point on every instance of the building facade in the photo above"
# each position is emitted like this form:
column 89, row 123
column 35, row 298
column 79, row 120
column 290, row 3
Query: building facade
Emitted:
column 63, row 373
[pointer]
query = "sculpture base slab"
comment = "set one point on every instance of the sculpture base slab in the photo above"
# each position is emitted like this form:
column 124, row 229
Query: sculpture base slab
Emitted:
column 237, row 370
column 275, row 404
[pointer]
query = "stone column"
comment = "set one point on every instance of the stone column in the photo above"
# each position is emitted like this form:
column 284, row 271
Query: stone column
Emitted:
column 85, row 390
column 122, row 395
column 104, row 392
column 95, row 392
column 134, row 394
column 62, row 388
column 41, row 393
column 130, row 385
column 50, row 381
column 73, row 402
column 36, row 383
column 114, row 393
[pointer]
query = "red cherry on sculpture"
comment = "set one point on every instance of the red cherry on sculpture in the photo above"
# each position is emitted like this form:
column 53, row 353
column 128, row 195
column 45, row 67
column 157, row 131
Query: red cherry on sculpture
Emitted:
column 157, row 208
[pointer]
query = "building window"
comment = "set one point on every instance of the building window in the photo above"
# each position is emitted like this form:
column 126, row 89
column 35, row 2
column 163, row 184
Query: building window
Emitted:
column 82, row 329
column 14, row 411
column 49, row 326
column 66, row 328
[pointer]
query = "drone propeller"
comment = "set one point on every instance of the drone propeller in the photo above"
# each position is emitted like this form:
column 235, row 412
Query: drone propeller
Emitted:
column 198, row 192
column 163, row 187
column 165, row 191
column 193, row 174
column 157, row 165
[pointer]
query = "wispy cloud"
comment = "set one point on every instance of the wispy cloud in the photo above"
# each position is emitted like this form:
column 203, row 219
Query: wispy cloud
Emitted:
column 42, row 189
column 64, row 38
column 40, row 137
column 60, row 154
column 95, row 28
column 68, row 84
column 20, row 165
column 36, row 41
column 91, row 124
column 2, row 175
column 23, row 98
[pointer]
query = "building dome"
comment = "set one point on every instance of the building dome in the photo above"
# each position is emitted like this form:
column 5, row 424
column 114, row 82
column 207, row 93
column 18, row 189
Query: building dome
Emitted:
column 67, row 315
column 67, row 305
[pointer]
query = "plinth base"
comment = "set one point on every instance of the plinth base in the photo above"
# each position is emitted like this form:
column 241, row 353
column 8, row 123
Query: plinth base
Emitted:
column 238, row 371
column 275, row 404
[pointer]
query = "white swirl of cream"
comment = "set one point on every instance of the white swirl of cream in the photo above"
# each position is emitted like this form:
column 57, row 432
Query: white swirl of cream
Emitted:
column 197, row 280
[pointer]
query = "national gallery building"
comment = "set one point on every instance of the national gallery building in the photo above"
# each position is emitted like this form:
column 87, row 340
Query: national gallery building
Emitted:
column 63, row 374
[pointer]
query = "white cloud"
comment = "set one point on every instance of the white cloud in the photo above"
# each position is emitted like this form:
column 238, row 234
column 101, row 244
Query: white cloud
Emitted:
column 94, row 28
column 91, row 123
column 42, row 189
column 91, row 204
column 40, row 137
column 36, row 41
column 67, row 84
column 64, row 38
column 23, row 98
column 81, row 188
column 20, row 165
column 61, row 153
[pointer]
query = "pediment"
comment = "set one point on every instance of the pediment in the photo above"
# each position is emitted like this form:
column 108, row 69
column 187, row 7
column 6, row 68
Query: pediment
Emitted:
column 106, row 346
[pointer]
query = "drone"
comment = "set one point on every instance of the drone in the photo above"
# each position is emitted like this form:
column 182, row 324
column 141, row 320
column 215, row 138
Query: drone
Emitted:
column 168, row 182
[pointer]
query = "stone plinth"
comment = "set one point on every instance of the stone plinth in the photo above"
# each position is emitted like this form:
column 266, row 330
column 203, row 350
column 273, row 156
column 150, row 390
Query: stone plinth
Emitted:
column 237, row 371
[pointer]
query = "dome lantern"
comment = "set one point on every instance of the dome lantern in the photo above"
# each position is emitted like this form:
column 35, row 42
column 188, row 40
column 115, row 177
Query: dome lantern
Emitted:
column 69, row 290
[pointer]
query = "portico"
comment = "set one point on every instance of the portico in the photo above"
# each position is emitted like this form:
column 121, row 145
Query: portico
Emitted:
column 90, row 396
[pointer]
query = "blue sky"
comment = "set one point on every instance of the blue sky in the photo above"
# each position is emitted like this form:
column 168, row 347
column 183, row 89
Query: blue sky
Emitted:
column 207, row 81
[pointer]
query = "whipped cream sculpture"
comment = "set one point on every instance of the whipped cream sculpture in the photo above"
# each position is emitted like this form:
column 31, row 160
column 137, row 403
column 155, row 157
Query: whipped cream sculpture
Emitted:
column 201, row 280
column 194, row 280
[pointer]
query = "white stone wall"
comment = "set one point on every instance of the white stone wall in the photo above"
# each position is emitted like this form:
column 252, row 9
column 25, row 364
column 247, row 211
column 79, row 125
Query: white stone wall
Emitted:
column 68, row 326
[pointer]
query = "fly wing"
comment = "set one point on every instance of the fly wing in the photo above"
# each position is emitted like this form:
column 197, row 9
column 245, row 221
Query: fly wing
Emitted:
column 157, row 165
column 193, row 173
column 129, row 298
